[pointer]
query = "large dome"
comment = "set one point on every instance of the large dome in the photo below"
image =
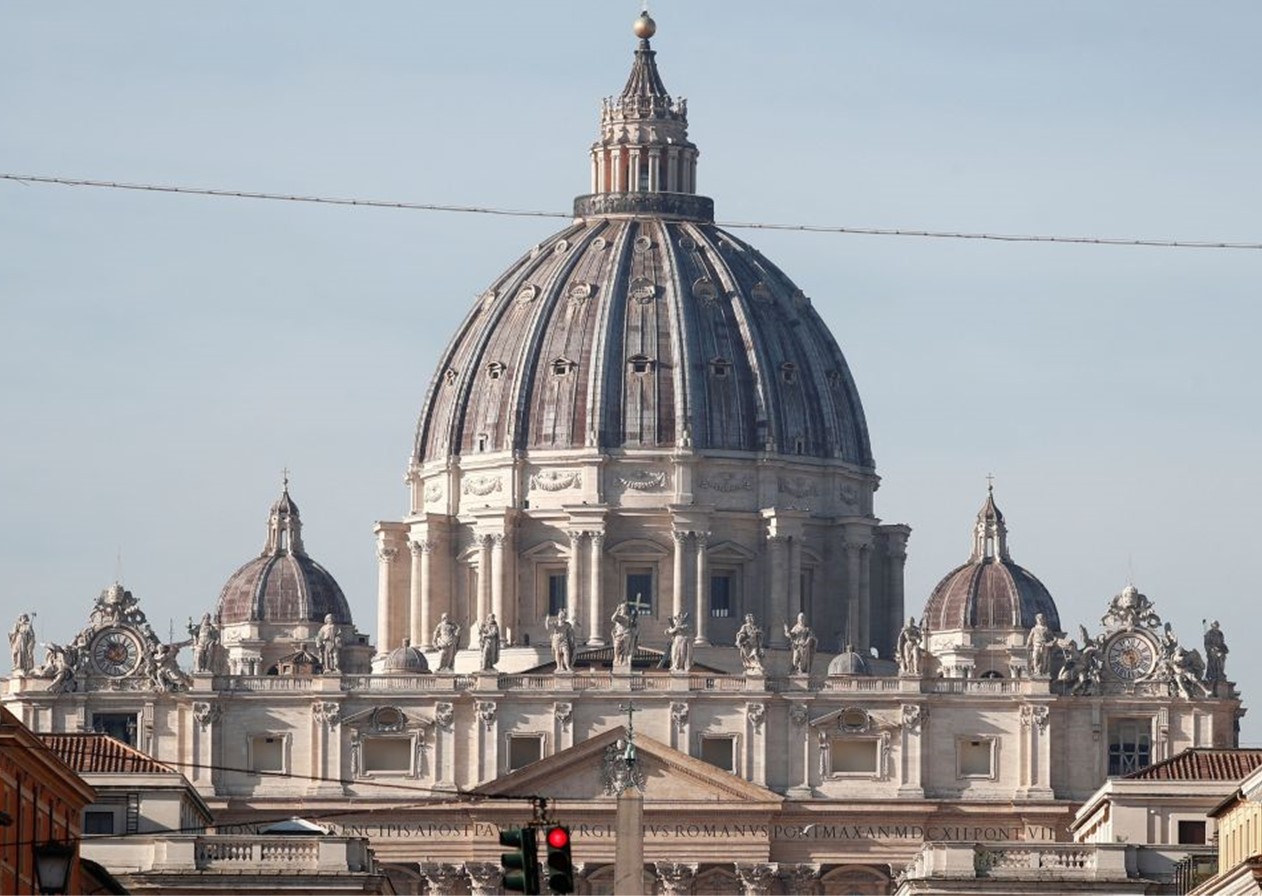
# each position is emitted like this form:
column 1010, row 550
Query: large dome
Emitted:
column 282, row 584
column 643, row 325
column 989, row 591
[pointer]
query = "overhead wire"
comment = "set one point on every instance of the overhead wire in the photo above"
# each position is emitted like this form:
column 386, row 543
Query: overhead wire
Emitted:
column 538, row 213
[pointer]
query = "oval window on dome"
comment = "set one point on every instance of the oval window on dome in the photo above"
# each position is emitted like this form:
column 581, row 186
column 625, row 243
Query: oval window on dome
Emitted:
column 599, row 243
column 580, row 291
column 643, row 290
column 562, row 245
column 705, row 290
column 761, row 292
column 643, row 244
column 687, row 243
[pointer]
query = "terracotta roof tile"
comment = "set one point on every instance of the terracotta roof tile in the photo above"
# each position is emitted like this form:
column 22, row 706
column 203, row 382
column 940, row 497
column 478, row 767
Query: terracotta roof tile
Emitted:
column 1202, row 764
column 102, row 754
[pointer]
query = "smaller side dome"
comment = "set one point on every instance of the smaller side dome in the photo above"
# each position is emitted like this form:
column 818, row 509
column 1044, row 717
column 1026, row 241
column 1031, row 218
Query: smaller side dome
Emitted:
column 849, row 662
column 283, row 584
column 405, row 659
column 990, row 591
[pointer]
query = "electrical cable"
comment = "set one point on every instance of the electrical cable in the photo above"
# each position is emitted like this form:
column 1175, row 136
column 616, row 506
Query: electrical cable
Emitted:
column 734, row 225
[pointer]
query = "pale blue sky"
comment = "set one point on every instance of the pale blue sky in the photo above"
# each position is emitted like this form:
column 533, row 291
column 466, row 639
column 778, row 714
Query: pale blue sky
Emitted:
column 164, row 357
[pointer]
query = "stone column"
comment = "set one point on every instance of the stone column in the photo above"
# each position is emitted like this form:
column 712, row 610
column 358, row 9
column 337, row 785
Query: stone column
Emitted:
column 572, row 567
column 595, row 602
column 619, row 171
column 484, row 575
column 497, row 585
column 628, row 875
column 655, row 176
column 800, row 731
column 795, row 582
column 672, row 169
column 778, row 599
column 444, row 747
column 633, row 171
column 385, row 638
column 420, row 615
column 910, row 760
column 703, row 590
column 854, row 635
column 894, row 615
column 865, row 595
column 677, row 577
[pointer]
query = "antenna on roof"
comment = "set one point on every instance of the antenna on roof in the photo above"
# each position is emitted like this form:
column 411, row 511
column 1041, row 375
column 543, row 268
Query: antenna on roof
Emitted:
column 118, row 566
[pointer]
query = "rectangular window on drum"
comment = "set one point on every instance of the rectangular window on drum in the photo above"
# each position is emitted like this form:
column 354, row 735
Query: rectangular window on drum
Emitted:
column 721, row 596
column 640, row 589
column 556, row 593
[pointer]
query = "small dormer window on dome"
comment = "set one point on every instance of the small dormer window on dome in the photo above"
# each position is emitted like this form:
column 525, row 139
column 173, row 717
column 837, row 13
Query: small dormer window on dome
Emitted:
column 789, row 372
column 640, row 363
column 720, row 367
column 495, row 370
column 562, row 367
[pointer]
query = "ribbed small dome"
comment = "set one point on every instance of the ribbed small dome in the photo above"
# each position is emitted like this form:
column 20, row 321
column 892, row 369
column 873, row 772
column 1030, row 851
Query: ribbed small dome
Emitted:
column 405, row 659
column 283, row 584
column 848, row 662
column 989, row 591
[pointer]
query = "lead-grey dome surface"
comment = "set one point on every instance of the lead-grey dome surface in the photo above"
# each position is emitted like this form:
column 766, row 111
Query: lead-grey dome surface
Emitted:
column 627, row 332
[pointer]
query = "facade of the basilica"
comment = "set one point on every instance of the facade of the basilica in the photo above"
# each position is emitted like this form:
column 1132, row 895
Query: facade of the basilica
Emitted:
column 641, row 495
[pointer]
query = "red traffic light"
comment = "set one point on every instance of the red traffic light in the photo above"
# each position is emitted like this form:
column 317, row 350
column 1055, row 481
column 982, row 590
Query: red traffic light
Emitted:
column 558, row 838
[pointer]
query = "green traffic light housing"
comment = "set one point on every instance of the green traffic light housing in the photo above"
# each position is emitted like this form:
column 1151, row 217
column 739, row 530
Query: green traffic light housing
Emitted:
column 560, row 862
column 521, row 866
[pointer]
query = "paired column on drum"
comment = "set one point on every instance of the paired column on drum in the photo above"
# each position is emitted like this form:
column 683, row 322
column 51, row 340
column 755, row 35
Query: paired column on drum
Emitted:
column 585, row 597
column 784, row 548
column 422, row 623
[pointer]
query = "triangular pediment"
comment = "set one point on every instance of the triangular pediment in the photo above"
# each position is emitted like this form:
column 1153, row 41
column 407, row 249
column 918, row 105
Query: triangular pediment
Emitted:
column 579, row 773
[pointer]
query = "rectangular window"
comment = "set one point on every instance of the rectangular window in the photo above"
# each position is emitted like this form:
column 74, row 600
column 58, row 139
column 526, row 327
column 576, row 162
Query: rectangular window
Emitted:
column 524, row 750
column 267, row 753
column 976, row 757
column 1192, row 832
column 721, row 595
column 556, row 592
column 854, row 756
column 387, row 754
column 98, row 821
column 118, row 725
column 1130, row 745
column 719, row 752
column 640, row 588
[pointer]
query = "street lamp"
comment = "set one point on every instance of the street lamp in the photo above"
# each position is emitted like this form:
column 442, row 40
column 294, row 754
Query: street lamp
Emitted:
column 52, row 865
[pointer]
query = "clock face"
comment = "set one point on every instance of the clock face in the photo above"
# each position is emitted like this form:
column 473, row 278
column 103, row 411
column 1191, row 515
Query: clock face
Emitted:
column 1130, row 657
column 115, row 652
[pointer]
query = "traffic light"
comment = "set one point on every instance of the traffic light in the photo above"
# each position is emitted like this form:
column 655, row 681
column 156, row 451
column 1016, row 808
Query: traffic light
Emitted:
column 560, row 862
column 521, row 867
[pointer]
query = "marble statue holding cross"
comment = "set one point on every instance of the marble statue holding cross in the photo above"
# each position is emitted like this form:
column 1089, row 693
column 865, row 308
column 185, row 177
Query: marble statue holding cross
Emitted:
column 626, row 631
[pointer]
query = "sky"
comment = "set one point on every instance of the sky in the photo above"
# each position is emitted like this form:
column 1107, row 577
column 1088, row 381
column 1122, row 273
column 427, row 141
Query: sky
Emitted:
column 165, row 357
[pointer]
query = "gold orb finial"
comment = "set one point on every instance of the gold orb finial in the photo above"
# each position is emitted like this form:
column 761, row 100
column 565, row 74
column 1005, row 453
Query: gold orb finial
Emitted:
column 644, row 26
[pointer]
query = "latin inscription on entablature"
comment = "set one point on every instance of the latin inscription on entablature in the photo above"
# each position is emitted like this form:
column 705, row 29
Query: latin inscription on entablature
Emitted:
column 555, row 480
column 482, row 485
